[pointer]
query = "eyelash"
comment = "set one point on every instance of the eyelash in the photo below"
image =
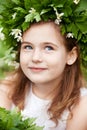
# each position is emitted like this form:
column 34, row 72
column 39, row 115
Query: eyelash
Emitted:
column 49, row 48
column 27, row 47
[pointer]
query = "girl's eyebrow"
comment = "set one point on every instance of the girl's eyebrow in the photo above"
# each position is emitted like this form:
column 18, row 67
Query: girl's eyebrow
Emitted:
column 46, row 43
column 26, row 42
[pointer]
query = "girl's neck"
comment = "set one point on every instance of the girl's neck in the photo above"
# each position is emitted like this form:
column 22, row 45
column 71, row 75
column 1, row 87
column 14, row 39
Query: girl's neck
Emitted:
column 45, row 91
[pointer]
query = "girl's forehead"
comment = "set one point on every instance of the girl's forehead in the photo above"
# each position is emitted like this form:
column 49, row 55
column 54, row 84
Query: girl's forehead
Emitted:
column 43, row 32
column 47, row 31
column 44, row 25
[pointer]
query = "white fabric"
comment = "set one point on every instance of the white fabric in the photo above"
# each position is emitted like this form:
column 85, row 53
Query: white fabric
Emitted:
column 37, row 108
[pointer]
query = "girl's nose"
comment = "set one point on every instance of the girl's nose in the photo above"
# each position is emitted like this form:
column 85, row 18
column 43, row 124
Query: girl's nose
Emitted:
column 37, row 56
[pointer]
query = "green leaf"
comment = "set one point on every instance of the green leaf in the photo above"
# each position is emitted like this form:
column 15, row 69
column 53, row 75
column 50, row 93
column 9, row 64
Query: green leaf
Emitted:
column 29, row 18
column 16, row 1
column 67, row 11
column 82, row 27
column 13, row 120
column 73, row 29
column 44, row 11
column 14, row 129
column 32, row 16
column 20, row 9
column 79, row 36
column 27, row 4
column 25, row 25
column 37, row 17
column 82, row 5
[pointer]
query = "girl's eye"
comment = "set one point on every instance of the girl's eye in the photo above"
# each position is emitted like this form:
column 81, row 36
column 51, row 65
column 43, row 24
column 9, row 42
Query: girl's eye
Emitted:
column 27, row 47
column 48, row 48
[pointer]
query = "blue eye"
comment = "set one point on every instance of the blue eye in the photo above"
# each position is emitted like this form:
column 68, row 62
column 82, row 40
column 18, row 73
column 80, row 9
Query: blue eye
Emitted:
column 48, row 48
column 27, row 47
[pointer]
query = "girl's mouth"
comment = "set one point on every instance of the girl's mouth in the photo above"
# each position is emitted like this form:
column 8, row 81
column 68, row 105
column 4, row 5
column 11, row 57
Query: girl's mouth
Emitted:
column 36, row 69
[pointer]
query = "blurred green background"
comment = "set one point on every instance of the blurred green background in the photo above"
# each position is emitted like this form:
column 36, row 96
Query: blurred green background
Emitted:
column 4, row 67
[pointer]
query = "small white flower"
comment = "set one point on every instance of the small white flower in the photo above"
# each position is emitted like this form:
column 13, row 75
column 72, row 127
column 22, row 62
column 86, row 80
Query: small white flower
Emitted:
column 14, row 15
column 69, row 35
column 12, row 63
column 17, row 33
column 32, row 10
column 1, row 62
column 24, row 114
column 16, row 65
column 76, row 1
column 59, row 15
column 57, row 21
column 2, row 36
column 19, row 38
column 13, row 55
column 1, row 29
column 7, row 61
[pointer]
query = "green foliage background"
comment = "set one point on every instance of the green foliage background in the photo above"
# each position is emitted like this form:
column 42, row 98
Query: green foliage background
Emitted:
column 3, row 67
column 14, row 120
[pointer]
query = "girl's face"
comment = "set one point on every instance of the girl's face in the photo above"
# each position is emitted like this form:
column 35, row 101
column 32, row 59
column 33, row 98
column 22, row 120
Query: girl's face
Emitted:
column 43, row 56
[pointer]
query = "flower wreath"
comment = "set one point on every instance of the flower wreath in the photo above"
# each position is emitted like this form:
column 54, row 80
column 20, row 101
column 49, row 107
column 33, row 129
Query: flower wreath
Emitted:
column 17, row 15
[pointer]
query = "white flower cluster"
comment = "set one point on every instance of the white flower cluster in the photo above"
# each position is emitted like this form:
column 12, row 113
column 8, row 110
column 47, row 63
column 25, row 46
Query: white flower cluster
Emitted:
column 14, row 15
column 69, row 35
column 2, row 36
column 32, row 10
column 14, row 64
column 76, row 1
column 58, row 20
column 17, row 33
column 9, row 58
column 24, row 114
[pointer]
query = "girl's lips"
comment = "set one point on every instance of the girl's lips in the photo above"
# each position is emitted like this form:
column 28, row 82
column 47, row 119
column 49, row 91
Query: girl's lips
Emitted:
column 35, row 69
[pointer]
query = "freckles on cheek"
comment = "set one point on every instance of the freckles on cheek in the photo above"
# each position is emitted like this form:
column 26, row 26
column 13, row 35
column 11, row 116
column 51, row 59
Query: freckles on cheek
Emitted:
column 22, row 54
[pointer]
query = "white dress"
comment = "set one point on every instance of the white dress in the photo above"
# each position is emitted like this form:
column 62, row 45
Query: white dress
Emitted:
column 37, row 108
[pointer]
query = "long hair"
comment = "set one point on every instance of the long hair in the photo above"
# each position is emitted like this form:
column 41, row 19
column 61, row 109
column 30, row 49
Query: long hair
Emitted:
column 67, row 95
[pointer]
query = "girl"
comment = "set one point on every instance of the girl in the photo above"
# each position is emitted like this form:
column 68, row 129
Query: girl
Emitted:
column 48, row 84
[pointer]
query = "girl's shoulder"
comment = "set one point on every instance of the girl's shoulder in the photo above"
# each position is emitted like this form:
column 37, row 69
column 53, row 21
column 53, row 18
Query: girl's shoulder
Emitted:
column 6, row 84
column 79, row 118
column 5, row 92
column 83, row 91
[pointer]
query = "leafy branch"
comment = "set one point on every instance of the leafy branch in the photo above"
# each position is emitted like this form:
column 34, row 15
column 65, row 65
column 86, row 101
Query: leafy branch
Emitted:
column 13, row 120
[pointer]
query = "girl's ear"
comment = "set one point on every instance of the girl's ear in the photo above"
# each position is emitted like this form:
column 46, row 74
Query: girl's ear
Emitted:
column 72, row 56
